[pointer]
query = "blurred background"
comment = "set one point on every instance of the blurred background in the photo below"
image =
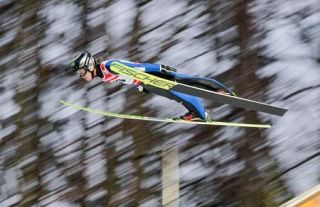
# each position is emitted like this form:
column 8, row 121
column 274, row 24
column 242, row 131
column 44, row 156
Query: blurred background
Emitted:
column 51, row 155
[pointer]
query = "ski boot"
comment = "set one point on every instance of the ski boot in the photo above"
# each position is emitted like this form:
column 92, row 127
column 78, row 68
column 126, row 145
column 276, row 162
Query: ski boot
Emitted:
column 190, row 116
column 224, row 92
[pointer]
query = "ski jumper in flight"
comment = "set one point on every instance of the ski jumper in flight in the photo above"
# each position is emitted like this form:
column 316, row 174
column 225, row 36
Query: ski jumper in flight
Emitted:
column 87, row 67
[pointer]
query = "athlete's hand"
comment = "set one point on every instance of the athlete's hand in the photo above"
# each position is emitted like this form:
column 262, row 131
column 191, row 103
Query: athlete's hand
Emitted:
column 140, row 88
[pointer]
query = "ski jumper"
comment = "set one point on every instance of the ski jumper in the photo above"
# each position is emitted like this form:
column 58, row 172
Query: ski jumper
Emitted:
column 190, row 102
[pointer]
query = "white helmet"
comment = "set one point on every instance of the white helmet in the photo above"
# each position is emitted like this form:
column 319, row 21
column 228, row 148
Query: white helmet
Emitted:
column 83, row 60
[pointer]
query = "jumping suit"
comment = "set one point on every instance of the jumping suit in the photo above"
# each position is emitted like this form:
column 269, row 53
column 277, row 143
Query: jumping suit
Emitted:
column 190, row 102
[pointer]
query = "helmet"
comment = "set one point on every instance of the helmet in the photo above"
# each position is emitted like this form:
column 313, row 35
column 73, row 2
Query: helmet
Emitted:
column 83, row 60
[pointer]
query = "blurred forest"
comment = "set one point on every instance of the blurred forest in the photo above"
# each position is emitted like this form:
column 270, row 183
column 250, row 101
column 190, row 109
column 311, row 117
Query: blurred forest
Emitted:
column 50, row 155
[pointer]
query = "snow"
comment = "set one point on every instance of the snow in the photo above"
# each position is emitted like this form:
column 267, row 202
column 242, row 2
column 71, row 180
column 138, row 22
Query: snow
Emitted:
column 151, row 167
column 150, row 202
column 97, row 17
column 95, row 171
column 122, row 15
column 306, row 177
column 284, row 41
column 53, row 180
column 9, row 185
column 293, row 74
column 63, row 18
column 231, row 134
column 53, row 51
column 28, row 160
column 294, row 70
column 52, row 138
column 125, row 174
column 154, row 11
column 7, row 131
column 96, row 195
column 7, row 37
column 123, row 143
column 193, row 171
column 98, row 44
column 62, row 204
column 150, row 182
column 6, row 97
column 11, row 201
column 232, row 169
column 73, row 130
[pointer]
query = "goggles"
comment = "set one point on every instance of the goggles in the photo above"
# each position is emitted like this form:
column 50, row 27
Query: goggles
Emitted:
column 81, row 72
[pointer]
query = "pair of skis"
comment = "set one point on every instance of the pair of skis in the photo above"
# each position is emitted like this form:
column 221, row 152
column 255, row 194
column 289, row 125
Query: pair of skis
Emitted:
column 154, row 81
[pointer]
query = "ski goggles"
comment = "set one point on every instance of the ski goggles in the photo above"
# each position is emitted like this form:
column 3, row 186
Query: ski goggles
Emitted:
column 81, row 72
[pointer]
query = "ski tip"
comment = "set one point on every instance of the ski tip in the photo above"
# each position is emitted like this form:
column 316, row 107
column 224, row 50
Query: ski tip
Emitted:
column 65, row 103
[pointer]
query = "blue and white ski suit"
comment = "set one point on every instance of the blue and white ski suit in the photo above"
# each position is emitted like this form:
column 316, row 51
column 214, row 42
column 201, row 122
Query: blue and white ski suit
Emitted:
column 190, row 102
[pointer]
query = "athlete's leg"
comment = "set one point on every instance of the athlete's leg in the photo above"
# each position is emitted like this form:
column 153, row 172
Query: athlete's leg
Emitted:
column 205, row 83
column 190, row 102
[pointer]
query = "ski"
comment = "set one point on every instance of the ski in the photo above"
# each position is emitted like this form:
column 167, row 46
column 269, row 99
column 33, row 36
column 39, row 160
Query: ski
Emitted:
column 156, row 119
column 152, row 80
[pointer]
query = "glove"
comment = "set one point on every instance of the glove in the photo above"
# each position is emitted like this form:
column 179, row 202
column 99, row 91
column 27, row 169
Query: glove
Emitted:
column 140, row 88
column 167, row 69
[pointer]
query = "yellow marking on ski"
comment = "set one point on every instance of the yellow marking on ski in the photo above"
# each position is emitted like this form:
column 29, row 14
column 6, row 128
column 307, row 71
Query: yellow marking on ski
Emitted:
column 142, row 76
column 166, row 120
column 162, row 83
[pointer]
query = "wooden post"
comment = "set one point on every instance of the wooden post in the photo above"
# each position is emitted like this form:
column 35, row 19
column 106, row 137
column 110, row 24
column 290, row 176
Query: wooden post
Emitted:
column 310, row 198
column 170, row 177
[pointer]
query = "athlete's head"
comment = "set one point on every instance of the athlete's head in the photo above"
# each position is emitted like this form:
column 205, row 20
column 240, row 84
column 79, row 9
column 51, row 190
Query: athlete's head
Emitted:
column 84, row 65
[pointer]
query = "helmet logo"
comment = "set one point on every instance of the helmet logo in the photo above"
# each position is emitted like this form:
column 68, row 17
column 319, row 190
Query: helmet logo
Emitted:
column 73, row 64
column 83, row 60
